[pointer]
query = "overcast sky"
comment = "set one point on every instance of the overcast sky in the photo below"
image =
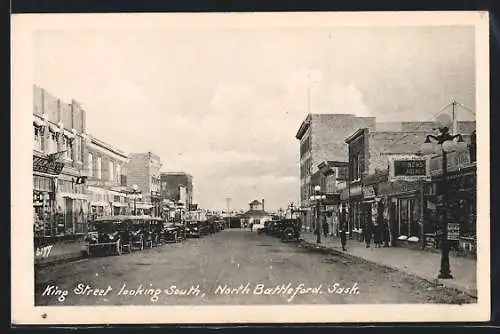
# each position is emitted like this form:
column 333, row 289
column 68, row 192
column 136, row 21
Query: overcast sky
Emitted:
column 225, row 104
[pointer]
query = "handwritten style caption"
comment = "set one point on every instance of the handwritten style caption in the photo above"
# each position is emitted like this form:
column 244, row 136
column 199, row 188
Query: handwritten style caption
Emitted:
column 288, row 291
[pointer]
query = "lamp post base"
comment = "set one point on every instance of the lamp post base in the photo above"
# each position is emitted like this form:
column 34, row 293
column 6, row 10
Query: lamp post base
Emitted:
column 445, row 276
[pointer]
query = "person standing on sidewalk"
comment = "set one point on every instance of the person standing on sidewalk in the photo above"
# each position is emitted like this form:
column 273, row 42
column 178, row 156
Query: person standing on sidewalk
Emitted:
column 368, row 232
column 343, row 231
column 325, row 228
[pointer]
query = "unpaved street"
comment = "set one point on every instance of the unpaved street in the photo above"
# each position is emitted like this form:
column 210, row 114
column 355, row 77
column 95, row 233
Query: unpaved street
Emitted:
column 231, row 267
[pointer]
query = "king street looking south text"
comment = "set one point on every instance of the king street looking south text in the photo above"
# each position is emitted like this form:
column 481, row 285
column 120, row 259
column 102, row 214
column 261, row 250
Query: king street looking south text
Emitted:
column 288, row 290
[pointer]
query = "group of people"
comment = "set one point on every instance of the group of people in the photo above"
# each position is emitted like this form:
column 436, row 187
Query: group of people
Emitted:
column 378, row 231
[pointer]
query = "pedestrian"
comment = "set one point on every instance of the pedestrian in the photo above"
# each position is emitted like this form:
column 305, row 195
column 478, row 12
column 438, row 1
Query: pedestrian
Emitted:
column 368, row 233
column 377, row 234
column 343, row 232
column 325, row 228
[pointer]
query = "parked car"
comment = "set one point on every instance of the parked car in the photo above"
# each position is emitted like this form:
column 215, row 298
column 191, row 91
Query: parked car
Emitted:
column 193, row 229
column 291, row 230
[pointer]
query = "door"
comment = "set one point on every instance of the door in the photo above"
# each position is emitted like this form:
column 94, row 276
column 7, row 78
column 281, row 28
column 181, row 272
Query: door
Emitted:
column 68, row 214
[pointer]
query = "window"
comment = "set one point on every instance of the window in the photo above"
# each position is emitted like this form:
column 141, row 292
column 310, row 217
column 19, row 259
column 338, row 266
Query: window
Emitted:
column 37, row 141
column 111, row 171
column 90, row 165
column 69, row 149
column 118, row 172
column 52, row 143
column 98, row 168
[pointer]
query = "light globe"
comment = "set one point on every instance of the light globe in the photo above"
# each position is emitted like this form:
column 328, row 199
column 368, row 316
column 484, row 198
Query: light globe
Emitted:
column 444, row 120
column 449, row 146
column 317, row 188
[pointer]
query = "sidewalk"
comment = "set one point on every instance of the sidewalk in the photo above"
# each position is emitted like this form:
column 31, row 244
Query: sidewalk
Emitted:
column 419, row 263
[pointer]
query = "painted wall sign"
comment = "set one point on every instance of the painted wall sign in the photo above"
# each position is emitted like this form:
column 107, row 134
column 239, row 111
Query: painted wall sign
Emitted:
column 44, row 165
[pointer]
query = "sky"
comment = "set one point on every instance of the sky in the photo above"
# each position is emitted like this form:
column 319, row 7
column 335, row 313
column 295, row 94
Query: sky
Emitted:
column 225, row 104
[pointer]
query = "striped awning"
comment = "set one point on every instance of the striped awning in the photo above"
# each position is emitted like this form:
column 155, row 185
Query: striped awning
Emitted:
column 120, row 204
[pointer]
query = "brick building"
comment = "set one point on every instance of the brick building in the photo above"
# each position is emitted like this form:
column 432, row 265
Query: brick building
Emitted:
column 143, row 170
column 177, row 186
column 385, row 182
column 321, row 139
column 105, row 167
column 59, row 199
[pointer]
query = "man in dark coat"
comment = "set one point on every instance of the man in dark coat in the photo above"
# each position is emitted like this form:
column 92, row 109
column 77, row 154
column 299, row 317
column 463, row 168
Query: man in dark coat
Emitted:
column 343, row 230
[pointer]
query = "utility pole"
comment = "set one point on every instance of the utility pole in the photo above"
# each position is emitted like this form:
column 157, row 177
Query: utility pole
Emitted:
column 228, row 206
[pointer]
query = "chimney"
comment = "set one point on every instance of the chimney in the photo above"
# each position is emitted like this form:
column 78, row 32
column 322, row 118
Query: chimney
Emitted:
column 263, row 207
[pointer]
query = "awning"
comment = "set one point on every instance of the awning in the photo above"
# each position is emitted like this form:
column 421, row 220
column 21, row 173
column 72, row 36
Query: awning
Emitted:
column 96, row 203
column 54, row 128
column 38, row 122
column 74, row 196
column 396, row 188
column 143, row 206
column 120, row 204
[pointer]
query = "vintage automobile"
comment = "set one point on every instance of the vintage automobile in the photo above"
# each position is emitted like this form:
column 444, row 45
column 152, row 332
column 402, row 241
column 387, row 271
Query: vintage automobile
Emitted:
column 194, row 229
column 291, row 230
column 221, row 224
column 109, row 235
column 152, row 231
column 171, row 233
column 276, row 228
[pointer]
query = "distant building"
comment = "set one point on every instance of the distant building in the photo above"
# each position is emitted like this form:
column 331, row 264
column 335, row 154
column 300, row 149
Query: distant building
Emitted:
column 177, row 186
column 321, row 139
column 105, row 167
column 144, row 171
column 256, row 214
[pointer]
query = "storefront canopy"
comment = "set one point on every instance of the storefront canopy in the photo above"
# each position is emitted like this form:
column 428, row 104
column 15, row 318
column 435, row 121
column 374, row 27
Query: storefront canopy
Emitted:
column 397, row 187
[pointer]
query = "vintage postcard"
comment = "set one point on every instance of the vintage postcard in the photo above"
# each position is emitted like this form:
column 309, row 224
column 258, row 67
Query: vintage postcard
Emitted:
column 250, row 168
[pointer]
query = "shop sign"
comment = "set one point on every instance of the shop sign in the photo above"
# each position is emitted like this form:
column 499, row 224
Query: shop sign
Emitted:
column 368, row 192
column 453, row 231
column 409, row 167
column 457, row 160
column 44, row 165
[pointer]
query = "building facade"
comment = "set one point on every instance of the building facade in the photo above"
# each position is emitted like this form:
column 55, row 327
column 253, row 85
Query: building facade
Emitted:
column 59, row 197
column 387, row 182
column 143, row 170
column 105, row 168
column 321, row 139
column 177, row 186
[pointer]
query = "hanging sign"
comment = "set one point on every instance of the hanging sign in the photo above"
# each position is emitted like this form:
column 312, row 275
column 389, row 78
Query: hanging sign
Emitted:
column 44, row 165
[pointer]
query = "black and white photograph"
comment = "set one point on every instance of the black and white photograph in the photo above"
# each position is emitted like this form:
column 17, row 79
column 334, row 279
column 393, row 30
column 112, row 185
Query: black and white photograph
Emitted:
column 251, row 167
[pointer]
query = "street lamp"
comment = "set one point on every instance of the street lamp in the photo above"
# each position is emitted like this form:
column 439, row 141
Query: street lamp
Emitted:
column 318, row 198
column 135, row 191
column 447, row 144
column 180, row 204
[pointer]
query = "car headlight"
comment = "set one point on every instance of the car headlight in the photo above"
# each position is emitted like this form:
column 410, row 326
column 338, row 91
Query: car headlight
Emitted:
column 196, row 229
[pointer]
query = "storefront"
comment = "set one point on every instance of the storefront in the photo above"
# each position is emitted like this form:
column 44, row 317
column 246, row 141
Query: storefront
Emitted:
column 45, row 174
column 355, row 207
column 453, row 197
column 72, row 205
column 403, row 211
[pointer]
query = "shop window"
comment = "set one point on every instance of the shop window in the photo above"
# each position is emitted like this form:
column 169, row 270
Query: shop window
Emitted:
column 69, row 149
column 408, row 225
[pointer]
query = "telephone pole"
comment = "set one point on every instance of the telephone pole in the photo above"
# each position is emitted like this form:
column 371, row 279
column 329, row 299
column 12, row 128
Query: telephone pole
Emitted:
column 228, row 208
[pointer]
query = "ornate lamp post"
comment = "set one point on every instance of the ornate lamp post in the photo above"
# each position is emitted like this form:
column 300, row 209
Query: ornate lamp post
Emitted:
column 291, row 206
column 447, row 144
column 318, row 198
column 136, row 192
